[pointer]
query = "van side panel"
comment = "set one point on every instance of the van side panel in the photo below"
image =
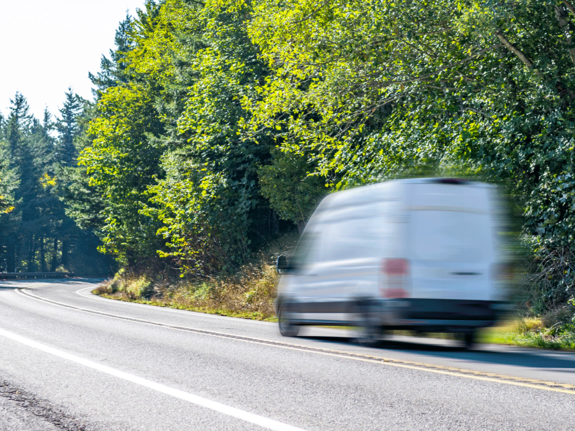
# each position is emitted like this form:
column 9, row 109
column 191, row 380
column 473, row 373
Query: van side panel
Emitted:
column 352, row 229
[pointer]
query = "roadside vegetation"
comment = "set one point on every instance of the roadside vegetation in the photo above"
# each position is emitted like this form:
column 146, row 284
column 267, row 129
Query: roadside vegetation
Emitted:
column 219, row 125
column 555, row 331
column 249, row 293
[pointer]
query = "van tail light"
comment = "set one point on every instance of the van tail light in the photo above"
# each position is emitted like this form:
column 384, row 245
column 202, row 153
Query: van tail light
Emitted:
column 395, row 267
column 394, row 278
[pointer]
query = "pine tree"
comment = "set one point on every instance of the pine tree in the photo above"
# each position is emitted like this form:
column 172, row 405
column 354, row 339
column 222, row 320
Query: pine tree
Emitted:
column 113, row 69
column 16, row 130
column 68, row 128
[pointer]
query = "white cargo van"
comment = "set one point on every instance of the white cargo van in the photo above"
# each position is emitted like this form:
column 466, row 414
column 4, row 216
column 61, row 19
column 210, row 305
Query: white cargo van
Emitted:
column 418, row 254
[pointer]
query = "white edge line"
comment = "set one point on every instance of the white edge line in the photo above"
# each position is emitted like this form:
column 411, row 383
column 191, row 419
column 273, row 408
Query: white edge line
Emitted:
column 334, row 353
column 176, row 393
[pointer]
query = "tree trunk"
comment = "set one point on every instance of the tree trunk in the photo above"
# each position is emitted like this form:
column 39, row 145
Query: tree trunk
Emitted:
column 65, row 250
column 31, row 254
column 42, row 256
column 54, row 264
column 11, row 257
column 275, row 223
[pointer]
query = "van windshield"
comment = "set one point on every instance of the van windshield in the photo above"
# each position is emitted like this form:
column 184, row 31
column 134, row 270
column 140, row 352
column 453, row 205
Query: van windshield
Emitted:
column 307, row 250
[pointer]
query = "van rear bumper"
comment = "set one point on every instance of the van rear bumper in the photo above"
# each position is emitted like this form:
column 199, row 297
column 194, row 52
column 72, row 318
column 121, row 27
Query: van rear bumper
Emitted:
column 440, row 314
column 426, row 315
column 436, row 325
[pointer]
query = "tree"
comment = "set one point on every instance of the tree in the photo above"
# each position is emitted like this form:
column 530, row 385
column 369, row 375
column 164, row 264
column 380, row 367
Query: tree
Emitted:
column 292, row 192
column 378, row 90
column 112, row 70
column 172, row 129
column 68, row 128
column 37, row 235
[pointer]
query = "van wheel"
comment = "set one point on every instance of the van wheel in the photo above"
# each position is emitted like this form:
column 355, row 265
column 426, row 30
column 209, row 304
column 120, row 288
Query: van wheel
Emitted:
column 469, row 339
column 286, row 327
column 368, row 332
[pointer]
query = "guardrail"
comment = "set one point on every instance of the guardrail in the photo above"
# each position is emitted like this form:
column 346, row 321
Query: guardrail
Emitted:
column 22, row 275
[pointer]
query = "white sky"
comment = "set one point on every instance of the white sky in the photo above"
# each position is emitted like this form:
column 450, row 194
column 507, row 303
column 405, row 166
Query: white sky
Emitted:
column 47, row 46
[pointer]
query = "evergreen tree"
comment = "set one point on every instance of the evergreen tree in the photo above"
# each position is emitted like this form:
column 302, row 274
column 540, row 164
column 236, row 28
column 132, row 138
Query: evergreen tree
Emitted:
column 113, row 69
column 16, row 130
column 37, row 235
column 68, row 128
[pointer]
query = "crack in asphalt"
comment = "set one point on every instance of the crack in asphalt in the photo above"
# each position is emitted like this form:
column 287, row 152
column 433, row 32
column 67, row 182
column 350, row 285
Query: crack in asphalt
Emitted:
column 42, row 408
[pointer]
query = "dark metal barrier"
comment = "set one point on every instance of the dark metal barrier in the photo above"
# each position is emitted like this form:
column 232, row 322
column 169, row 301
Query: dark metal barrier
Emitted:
column 22, row 275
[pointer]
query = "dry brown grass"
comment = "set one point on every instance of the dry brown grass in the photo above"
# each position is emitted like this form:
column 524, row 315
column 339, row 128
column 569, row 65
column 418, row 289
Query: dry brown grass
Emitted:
column 250, row 293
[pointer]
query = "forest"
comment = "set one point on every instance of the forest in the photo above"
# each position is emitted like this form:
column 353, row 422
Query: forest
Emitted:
column 218, row 125
column 36, row 234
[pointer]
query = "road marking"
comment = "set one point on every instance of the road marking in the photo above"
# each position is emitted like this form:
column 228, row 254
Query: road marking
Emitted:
column 420, row 366
column 158, row 387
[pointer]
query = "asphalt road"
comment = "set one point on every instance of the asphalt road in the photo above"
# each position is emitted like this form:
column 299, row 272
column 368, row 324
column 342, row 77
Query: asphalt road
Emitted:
column 73, row 361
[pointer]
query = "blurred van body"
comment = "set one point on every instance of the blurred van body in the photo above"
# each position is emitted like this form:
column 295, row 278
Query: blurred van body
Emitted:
column 417, row 254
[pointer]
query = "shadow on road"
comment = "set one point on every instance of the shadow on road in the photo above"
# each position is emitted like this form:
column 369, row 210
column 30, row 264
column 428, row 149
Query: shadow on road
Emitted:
column 8, row 285
column 490, row 354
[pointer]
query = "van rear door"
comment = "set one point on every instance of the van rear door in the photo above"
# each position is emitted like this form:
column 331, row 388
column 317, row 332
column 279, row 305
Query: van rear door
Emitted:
column 451, row 240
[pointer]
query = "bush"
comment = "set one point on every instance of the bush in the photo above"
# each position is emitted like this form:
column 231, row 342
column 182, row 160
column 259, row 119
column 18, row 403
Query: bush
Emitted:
column 249, row 293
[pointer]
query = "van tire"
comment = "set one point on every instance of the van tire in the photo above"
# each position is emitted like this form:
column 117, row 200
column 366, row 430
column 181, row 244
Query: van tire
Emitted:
column 285, row 325
column 368, row 332
column 469, row 339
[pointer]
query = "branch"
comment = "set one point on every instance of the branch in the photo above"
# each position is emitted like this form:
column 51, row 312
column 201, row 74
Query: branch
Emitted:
column 378, row 84
column 514, row 50
column 569, row 6
column 565, row 27
column 528, row 62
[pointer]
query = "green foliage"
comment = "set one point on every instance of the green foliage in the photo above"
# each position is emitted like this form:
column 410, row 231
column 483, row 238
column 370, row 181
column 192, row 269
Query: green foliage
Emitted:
column 208, row 162
column 377, row 90
column 121, row 162
column 195, row 208
column 292, row 192
column 215, row 118
column 37, row 235
column 165, row 157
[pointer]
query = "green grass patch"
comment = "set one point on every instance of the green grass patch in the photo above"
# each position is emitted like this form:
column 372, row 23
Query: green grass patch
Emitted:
column 531, row 332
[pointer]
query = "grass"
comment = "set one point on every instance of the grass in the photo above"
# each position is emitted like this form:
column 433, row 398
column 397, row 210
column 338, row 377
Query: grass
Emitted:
column 254, row 315
column 249, row 295
column 520, row 331
column 532, row 332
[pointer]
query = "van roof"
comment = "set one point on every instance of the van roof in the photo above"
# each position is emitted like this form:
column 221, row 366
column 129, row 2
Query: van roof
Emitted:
column 388, row 190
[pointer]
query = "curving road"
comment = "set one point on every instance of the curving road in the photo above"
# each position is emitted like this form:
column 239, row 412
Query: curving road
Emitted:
column 73, row 361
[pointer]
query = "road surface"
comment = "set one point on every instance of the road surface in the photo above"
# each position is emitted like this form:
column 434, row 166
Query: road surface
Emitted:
column 72, row 361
